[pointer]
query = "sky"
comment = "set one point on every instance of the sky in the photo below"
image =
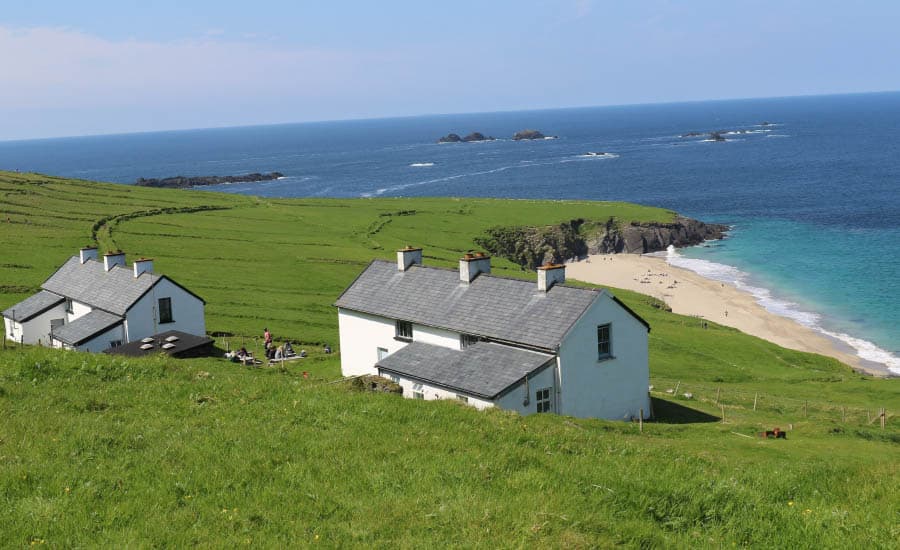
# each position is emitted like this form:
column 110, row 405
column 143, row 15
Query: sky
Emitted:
column 100, row 67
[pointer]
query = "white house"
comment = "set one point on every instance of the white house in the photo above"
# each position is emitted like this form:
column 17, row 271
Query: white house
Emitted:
column 493, row 341
column 91, row 305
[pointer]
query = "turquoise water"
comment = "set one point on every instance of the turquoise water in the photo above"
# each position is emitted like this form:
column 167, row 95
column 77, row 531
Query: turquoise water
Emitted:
column 814, row 196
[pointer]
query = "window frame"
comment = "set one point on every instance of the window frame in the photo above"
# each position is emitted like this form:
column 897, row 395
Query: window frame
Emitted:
column 418, row 391
column 70, row 307
column 604, row 344
column 170, row 318
column 543, row 403
column 401, row 332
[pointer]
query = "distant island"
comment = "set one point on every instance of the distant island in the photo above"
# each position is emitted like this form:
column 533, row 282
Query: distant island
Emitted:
column 474, row 136
column 530, row 134
column 184, row 182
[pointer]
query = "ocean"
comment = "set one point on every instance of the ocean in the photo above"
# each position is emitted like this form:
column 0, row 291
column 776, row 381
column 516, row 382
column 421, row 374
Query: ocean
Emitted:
column 810, row 185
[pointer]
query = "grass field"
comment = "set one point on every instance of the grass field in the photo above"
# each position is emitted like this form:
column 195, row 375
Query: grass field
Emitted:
column 96, row 451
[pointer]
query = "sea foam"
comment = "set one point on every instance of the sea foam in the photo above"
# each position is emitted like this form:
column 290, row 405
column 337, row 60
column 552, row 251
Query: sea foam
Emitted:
column 731, row 275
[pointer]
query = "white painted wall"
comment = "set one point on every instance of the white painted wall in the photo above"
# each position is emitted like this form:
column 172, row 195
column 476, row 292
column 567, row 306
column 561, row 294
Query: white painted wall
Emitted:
column 36, row 328
column 361, row 335
column 436, row 336
column 615, row 388
column 78, row 310
column 514, row 399
column 187, row 313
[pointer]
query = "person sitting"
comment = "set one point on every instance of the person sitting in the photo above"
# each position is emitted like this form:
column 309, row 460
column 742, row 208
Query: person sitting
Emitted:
column 327, row 348
column 302, row 353
column 279, row 353
column 288, row 350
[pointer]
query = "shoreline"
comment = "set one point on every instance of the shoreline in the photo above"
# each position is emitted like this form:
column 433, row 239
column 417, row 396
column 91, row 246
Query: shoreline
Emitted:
column 689, row 293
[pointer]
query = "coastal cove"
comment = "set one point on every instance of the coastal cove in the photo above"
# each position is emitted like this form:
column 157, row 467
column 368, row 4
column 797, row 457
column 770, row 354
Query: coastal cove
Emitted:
column 811, row 197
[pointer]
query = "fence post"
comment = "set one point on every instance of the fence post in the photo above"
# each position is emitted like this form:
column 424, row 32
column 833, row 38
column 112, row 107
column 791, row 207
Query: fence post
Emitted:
column 723, row 413
column 883, row 417
column 755, row 397
column 676, row 387
column 641, row 421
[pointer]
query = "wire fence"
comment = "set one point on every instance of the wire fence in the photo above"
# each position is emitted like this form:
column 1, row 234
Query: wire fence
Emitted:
column 792, row 409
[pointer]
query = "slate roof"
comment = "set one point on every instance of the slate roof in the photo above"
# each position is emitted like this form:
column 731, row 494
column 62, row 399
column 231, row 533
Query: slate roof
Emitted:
column 494, row 307
column 483, row 369
column 184, row 345
column 33, row 306
column 86, row 326
column 114, row 291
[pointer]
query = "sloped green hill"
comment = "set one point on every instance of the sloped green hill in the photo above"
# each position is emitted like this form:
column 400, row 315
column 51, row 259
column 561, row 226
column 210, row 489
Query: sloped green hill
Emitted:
column 96, row 451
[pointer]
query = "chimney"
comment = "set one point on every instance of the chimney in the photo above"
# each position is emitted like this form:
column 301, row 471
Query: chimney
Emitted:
column 408, row 256
column 144, row 265
column 471, row 265
column 112, row 259
column 549, row 275
column 88, row 253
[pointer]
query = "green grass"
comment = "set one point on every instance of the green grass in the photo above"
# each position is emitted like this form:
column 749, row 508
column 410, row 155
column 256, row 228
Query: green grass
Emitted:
column 98, row 451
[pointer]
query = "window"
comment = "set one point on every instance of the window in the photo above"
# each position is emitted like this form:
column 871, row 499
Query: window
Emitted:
column 466, row 340
column 604, row 347
column 165, row 310
column 382, row 353
column 542, row 397
column 404, row 330
column 394, row 378
column 115, row 343
column 462, row 398
column 418, row 391
column 69, row 307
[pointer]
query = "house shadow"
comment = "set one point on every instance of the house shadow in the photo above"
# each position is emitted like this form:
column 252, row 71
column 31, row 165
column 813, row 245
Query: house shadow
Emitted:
column 669, row 412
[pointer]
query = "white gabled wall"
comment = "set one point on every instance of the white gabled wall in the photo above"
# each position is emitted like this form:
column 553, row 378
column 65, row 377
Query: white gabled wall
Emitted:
column 436, row 336
column 35, row 329
column 78, row 310
column 615, row 388
column 187, row 313
column 361, row 336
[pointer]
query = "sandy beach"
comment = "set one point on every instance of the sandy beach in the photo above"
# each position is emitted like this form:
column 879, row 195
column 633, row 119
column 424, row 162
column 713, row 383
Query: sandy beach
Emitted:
column 688, row 293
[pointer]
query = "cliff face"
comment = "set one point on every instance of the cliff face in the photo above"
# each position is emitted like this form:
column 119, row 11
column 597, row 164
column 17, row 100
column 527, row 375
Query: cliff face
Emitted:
column 531, row 247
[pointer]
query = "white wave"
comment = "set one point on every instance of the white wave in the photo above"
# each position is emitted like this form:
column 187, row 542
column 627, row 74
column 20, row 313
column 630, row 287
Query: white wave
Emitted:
column 598, row 156
column 718, row 140
column 731, row 275
column 551, row 137
column 778, row 135
column 421, row 164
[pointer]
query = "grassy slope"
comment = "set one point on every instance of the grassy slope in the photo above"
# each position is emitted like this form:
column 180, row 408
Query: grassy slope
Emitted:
column 99, row 451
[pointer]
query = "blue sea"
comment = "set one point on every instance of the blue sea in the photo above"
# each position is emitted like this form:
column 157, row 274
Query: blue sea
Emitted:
column 813, row 196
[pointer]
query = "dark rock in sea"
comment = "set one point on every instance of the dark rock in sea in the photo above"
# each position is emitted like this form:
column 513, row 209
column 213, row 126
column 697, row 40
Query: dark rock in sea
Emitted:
column 766, row 123
column 450, row 138
column 184, row 182
column 692, row 134
column 529, row 134
column 531, row 247
column 477, row 136
column 716, row 136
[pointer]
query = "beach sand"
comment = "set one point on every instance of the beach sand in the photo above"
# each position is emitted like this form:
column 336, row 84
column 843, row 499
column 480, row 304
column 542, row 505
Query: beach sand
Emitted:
column 688, row 293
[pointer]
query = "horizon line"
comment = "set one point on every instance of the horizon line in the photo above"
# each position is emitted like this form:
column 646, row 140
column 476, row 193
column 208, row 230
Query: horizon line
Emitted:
column 418, row 115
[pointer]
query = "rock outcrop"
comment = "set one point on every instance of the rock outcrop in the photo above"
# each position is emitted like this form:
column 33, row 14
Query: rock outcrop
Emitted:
column 183, row 182
column 474, row 136
column 528, row 134
column 531, row 247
